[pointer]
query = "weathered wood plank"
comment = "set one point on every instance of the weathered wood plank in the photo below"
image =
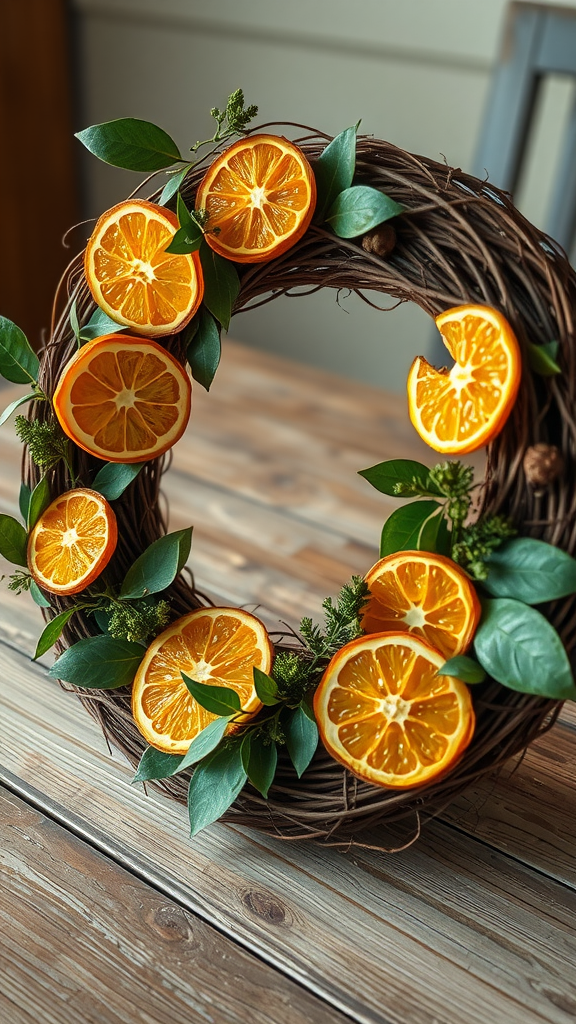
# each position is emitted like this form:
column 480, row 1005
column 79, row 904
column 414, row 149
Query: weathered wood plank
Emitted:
column 83, row 940
column 375, row 924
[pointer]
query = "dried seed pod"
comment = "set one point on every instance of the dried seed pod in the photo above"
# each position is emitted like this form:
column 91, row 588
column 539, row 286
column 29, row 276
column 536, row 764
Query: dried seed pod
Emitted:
column 380, row 240
column 542, row 463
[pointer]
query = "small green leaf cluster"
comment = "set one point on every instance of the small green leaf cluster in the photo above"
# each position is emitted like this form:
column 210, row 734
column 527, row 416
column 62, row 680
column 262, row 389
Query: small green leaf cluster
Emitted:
column 233, row 120
column 138, row 620
column 47, row 443
column 479, row 541
column 349, row 210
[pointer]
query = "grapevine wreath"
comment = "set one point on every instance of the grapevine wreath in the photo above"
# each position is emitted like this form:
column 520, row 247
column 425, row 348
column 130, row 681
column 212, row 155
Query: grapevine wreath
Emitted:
column 432, row 667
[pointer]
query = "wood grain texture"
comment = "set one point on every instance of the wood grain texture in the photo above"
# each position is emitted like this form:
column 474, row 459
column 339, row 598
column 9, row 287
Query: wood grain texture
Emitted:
column 83, row 941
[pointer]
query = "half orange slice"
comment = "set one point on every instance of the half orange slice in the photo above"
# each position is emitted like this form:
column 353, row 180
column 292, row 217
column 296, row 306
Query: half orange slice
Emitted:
column 123, row 399
column 461, row 409
column 219, row 646
column 72, row 542
column 132, row 277
column 260, row 196
column 426, row 595
column 386, row 715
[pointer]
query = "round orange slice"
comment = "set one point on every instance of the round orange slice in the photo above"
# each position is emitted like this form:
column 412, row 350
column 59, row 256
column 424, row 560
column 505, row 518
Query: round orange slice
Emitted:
column 219, row 646
column 260, row 195
column 132, row 277
column 461, row 409
column 123, row 399
column 385, row 714
column 72, row 542
column 423, row 594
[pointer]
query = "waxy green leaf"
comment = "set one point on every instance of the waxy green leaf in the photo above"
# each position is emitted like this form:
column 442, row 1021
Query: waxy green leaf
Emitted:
column 218, row 700
column 158, row 566
column 542, row 358
column 359, row 209
column 216, row 783
column 260, row 760
column 464, row 668
column 52, row 632
column 39, row 501
column 204, row 349
column 189, row 235
column 18, row 361
column 24, row 501
column 334, row 169
column 266, row 687
column 206, row 741
column 387, row 475
column 13, row 540
column 413, row 527
column 99, row 662
column 301, row 738
column 531, row 571
column 519, row 648
column 221, row 284
column 157, row 764
column 37, row 595
column 99, row 325
column 172, row 185
column 73, row 316
column 112, row 480
column 15, row 405
column 130, row 143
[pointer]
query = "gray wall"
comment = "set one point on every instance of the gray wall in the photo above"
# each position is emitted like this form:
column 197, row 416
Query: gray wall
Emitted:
column 415, row 71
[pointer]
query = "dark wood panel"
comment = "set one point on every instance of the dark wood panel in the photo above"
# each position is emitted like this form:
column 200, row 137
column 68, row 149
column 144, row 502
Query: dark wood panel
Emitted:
column 38, row 190
column 82, row 940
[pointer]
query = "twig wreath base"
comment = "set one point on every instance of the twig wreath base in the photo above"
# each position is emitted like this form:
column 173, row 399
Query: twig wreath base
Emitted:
column 459, row 241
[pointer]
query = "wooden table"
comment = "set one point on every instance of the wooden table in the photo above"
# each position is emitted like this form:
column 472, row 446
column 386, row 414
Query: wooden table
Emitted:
column 110, row 913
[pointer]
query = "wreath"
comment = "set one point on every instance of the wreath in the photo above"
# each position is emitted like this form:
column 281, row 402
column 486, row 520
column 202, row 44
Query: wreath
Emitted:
column 433, row 667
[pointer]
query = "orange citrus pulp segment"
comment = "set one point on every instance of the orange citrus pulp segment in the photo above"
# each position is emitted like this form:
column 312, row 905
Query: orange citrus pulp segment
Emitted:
column 423, row 594
column 123, row 399
column 385, row 714
column 131, row 276
column 72, row 541
column 463, row 408
column 260, row 195
column 218, row 646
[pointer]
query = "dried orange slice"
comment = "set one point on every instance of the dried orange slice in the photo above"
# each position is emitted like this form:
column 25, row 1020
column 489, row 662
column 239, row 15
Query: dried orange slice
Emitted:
column 219, row 646
column 461, row 409
column 131, row 276
column 260, row 195
column 72, row 542
column 123, row 399
column 385, row 714
column 423, row 594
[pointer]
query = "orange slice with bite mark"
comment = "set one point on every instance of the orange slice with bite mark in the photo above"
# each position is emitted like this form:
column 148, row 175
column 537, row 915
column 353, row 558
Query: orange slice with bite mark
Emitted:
column 386, row 715
column 123, row 399
column 132, row 277
column 260, row 196
column 426, row 595
column 219, row 646
column 72, row 542
column 461, row 409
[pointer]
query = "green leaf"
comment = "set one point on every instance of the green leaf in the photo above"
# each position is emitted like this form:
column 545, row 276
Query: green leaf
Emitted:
column 37, row 596
column 218, row 700
column 214, row 786
column 156, row 764
column 99, row 325
column 158, row 566
column 172, row 185
column 102, row 618
column 14, row 405
column 520, row 649
column 407, row 528
column 24, row 501
column 301, row 738
column 74, row 321
column 542, row 358
column 13, row 540
column 39, row 501
column 464, row 668
column 260, row 760
column 221, row 284
column 386, row 475
column 359, row 209
column 204, row 350
column 189, row 236
column 530, row 571
column 130, row 143
column 99, row 662
column 52, row 632
column 112, row 480
column 206, row 741
column 18, row 361
column 334, row 169
column 266, row 687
